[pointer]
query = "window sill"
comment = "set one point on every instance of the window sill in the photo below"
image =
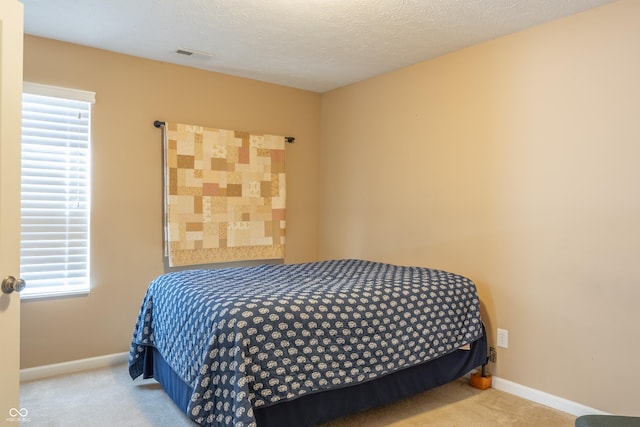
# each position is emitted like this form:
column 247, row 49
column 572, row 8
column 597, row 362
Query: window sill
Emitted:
column 43, row 295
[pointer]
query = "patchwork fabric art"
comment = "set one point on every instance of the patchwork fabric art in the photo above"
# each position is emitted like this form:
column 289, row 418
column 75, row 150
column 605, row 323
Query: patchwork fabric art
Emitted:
column 225, row 195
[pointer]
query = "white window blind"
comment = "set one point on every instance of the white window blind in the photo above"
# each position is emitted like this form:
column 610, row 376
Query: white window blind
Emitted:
column 55, row 207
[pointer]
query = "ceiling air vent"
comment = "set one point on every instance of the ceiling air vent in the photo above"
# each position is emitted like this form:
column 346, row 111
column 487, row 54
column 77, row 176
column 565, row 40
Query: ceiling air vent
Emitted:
column 194, row 53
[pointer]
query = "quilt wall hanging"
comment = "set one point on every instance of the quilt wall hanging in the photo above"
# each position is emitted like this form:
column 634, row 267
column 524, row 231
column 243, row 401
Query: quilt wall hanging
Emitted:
column 224, row 195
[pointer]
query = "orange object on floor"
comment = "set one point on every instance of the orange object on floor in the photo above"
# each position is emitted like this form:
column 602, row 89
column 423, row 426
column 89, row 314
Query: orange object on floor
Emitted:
column 480, row 382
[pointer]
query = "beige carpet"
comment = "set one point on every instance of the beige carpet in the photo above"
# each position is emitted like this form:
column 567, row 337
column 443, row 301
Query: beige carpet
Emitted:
column 108, row 397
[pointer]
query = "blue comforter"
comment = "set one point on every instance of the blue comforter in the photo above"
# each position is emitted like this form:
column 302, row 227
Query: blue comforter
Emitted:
column 250, row 337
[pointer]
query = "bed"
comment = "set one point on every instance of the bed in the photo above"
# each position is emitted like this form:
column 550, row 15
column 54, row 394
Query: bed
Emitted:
column 301, row 344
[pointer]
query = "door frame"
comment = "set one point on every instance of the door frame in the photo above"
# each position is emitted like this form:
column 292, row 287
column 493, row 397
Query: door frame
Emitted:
column 11, row 55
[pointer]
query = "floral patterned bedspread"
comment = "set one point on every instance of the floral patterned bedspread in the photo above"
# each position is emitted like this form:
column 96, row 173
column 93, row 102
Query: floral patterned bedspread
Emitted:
column 250, row 337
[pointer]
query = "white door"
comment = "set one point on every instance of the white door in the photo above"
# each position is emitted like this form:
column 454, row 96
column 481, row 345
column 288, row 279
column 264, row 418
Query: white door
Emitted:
column 11, row 33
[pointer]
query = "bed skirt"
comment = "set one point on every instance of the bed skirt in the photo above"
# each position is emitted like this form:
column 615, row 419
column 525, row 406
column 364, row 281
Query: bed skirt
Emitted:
column 317, row 408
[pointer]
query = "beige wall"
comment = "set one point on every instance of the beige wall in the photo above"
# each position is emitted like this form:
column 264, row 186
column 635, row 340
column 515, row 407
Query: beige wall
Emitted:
column 514, row 162
column 126, row 245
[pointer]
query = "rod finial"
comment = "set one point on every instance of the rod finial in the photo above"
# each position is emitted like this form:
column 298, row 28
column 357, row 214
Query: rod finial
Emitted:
column 158, row 123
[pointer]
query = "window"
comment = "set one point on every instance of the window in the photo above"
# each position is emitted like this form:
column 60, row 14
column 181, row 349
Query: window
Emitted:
column 55, row 207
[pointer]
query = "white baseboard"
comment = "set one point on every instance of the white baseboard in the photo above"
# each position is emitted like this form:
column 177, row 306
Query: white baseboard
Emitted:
column 507, row 386
column 543, row 398
column 72, row 367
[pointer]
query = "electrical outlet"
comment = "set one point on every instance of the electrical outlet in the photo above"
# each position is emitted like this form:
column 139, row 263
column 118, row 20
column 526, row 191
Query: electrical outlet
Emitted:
column 492, row 355
column 503, row 338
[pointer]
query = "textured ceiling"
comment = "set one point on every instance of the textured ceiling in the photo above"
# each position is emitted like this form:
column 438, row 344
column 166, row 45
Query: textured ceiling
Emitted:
column 316, row 45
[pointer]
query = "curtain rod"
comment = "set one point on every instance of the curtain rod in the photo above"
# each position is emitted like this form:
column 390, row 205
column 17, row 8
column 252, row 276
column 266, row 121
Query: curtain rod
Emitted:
column 289, row 139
